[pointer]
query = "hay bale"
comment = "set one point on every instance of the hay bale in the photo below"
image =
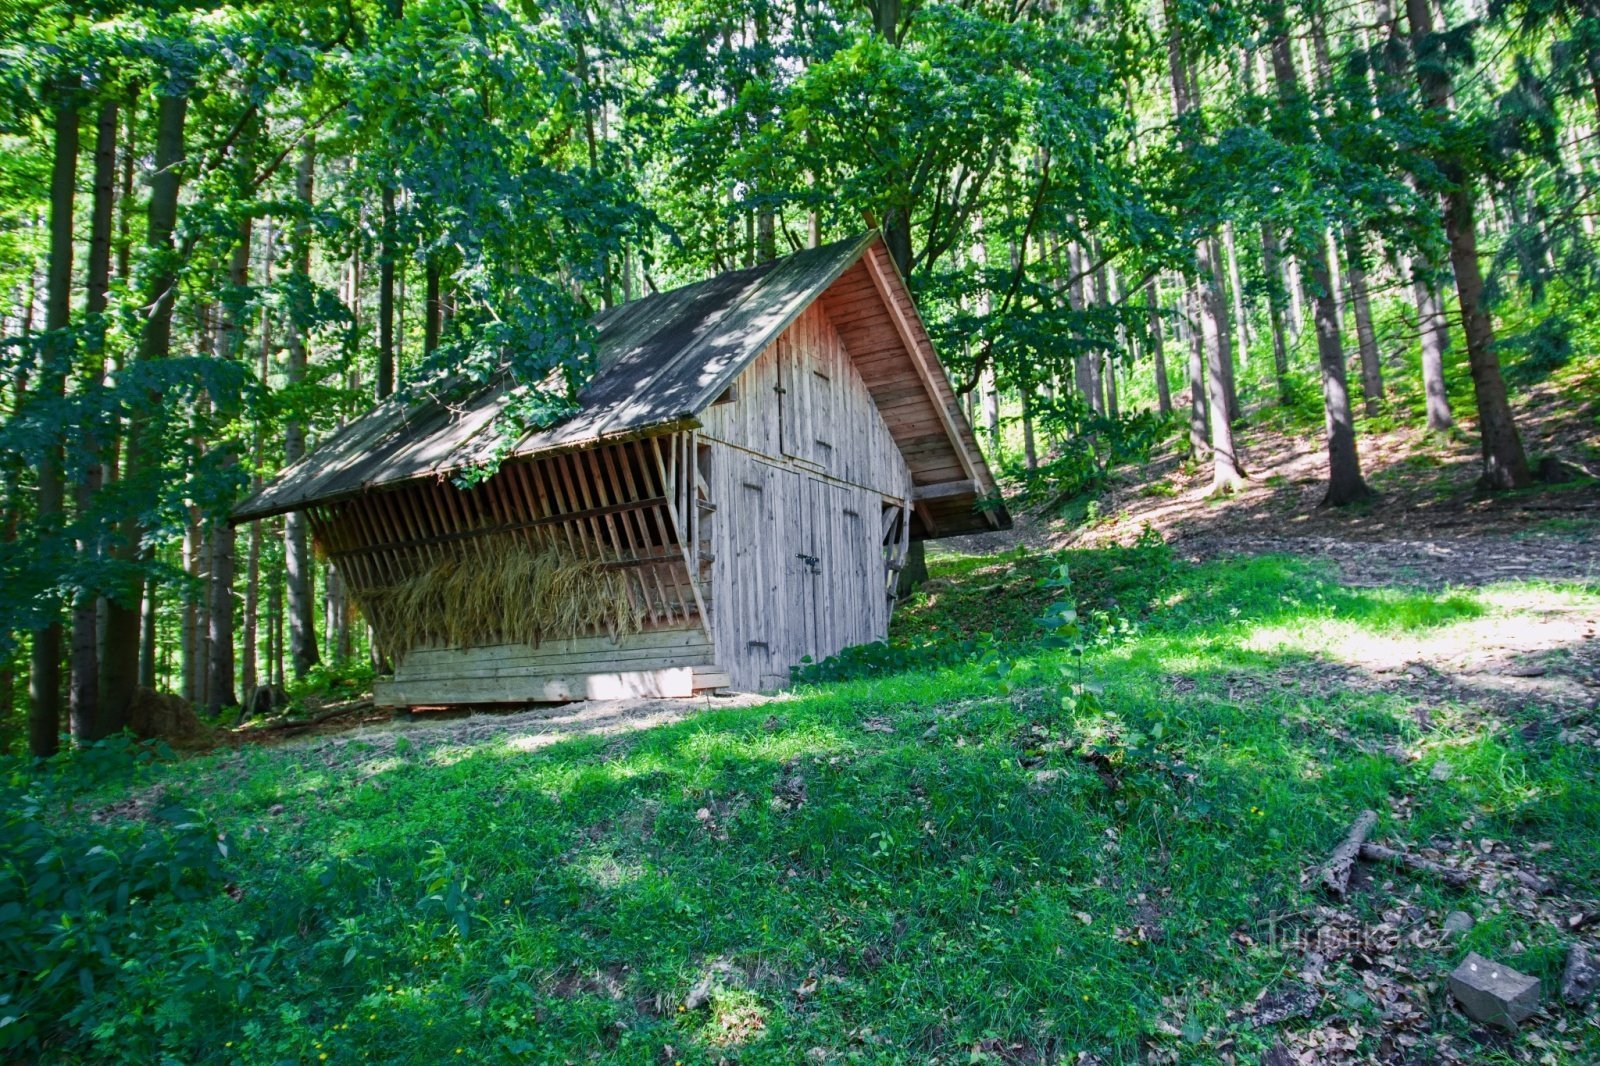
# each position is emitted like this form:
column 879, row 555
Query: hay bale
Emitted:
column 504, row 588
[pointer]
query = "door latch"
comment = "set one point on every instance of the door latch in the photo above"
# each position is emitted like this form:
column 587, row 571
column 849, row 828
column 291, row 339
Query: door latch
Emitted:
column 813, row 564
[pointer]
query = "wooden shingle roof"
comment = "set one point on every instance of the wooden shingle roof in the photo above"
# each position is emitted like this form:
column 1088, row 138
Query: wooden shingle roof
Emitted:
column 661, row 361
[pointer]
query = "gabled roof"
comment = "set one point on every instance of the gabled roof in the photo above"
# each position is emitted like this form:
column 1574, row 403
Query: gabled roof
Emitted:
column 661, row 361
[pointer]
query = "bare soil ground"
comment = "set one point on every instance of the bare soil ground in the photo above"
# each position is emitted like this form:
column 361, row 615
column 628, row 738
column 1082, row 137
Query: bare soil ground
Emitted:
column 524, row 729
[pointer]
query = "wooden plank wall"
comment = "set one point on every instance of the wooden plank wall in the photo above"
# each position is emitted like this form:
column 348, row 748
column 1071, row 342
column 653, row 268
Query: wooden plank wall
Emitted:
column 807, row 482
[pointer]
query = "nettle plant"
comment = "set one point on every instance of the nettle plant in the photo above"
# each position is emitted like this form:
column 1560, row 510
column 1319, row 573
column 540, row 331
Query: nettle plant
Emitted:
column 1117, row 733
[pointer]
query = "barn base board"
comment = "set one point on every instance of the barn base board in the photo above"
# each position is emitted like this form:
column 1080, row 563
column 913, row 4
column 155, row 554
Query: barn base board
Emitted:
column 671, row 683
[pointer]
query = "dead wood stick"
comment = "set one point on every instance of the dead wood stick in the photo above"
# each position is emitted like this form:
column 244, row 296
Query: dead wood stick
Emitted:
column 1336, row 872
column 1449, row 875
column 316, row 719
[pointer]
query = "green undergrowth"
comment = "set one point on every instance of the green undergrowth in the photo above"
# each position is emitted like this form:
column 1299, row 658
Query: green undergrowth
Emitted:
column 1059, row 838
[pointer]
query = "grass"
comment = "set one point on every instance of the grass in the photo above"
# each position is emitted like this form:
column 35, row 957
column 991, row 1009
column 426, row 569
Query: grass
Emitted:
column 967, row 888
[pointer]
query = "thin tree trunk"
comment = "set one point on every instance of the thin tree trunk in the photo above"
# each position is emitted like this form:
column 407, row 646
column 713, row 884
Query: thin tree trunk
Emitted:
column 44, row 677
column 385, row 295
column 296, row 547
column 1297, row 295
column 1230, row 389
column 1371, row 368
column 1226, row 473
column 1241, row 321
column 189, row 633
column 146, row 651
column 433, row 317
column 248, row 679
column 126, row 654
column 1029, row 452
column 1505, row 464
column 1275, row 309
column 84, row 695
column 1163, row 388
column 1345, row 483
column 1082, row 375
column 1199, row 422
column 1434, row 329
column 224, row 543
column 991, row 412
column 275, row 627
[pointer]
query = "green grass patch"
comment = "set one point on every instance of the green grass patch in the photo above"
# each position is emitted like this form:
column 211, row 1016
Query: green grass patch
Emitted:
column 1041, row 848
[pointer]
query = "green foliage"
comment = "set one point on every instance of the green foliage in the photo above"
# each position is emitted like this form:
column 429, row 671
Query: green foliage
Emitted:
column 397, row 897
column 84, row 898
column 336, row 680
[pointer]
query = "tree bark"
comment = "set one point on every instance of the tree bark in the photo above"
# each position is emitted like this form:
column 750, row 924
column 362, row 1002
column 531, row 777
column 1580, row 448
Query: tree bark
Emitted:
column 84, row 694
column 385, row 294
column 44, row 675
column 433, row 310
column 1270, row 262
column 1367, row 340
column 1163, row 388
column 1225, row 331
column 1345, row 483
column 1199, row 422
column 1505, row 464
column 220, row 692
column 1241, row 321
column 296, row 546
column 1225, row 468
column 126, row 660
column 1434, row 329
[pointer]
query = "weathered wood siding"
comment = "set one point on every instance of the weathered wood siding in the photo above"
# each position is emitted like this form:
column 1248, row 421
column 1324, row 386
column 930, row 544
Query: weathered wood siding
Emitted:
column 807, row 482
column 661, row 662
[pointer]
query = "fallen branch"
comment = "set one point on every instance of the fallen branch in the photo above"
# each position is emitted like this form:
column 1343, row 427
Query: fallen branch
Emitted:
column 1336, row 872
column 1448, row 874
column 350, row 707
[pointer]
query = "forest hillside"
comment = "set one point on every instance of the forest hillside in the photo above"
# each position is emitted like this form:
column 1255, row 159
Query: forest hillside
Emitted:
column 1266, row 733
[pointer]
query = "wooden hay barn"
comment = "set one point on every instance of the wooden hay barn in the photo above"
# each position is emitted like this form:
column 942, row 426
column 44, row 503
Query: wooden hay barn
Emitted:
column 737, row 491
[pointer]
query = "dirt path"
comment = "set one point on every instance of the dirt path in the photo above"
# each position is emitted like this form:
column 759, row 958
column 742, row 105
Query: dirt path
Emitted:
column 527, row 730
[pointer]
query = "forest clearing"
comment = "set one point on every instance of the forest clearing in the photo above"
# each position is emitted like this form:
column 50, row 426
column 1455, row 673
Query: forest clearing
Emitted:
column 890, row 532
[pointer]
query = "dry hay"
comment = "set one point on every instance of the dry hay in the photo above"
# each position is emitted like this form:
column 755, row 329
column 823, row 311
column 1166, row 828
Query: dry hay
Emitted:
column 501, row 588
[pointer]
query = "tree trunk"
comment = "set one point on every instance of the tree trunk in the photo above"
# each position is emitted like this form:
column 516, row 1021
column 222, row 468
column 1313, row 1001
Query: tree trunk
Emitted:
column 224, row 542
column 1241, row 321
column 1199, row 423
column 385, row 292
column 991, row 412
column 1029, row 452
column 433, row 316
column 1082, row 375
column 1345, row 483
column 1296, row 284
column 1505, row 465
column 84, row 695
column 127, row 658
column 44, row 677
column 1226, row 471
column 1275, row 309
column 1434, row 329
column 189, row 633
column 296, row 546
column 1371, row 367
column 1225, row 474
column 1163, row 389
column 1225, row 329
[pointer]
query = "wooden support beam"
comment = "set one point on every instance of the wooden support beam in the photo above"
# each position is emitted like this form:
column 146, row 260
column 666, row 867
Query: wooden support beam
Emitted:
column 588, row 513
column 946, row 489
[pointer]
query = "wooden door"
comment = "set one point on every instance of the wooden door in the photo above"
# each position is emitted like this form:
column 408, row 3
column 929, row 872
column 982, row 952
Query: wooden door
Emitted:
column 840, row 569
